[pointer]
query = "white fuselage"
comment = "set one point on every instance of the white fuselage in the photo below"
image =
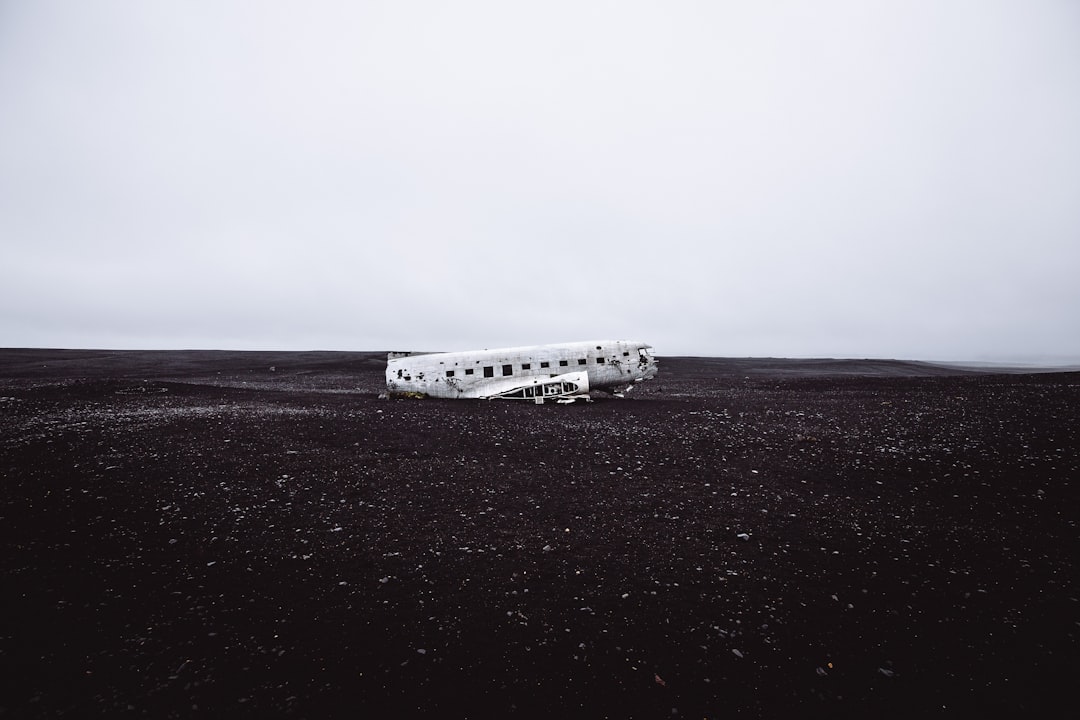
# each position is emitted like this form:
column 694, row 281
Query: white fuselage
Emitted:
column 531, row 372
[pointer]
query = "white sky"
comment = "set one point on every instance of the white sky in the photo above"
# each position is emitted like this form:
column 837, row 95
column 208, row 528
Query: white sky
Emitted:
column 848, row 179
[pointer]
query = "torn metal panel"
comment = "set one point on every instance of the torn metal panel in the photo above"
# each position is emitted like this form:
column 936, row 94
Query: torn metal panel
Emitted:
column 536, row 373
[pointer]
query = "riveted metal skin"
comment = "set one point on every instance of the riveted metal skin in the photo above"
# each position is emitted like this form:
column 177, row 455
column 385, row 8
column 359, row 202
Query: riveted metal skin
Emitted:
column 534, row 373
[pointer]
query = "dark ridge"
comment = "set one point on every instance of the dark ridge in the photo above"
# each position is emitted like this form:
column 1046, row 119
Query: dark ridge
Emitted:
column 150, row 364
column 54, row 364
column 815, row 367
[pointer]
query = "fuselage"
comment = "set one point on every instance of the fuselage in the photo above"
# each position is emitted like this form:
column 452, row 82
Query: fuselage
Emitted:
column 534, row 371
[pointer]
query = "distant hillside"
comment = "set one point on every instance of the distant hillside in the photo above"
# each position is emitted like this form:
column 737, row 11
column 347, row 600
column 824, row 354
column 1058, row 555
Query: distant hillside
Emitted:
column 814, row 367
column 179, row 364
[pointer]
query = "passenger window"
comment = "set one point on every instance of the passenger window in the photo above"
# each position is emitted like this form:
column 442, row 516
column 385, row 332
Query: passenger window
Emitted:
column 545, row 364
column 581, row 361
column 599, row 361
column 489, row 371
column 563, row 363
column 508, row 369
column 449, row 373
column 526, row 366
column 468, row 371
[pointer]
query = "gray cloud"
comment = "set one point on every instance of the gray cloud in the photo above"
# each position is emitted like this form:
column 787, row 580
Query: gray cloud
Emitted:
column 843, row 178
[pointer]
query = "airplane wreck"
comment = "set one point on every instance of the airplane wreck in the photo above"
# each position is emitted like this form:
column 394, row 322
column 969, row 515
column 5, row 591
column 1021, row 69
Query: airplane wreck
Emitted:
column 538, row 373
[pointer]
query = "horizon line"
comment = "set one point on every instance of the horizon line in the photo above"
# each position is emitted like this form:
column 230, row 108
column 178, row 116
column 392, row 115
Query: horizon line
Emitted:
column 1055, row 362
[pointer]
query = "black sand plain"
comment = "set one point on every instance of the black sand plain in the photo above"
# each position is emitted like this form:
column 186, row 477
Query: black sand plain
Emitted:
column 225, row 534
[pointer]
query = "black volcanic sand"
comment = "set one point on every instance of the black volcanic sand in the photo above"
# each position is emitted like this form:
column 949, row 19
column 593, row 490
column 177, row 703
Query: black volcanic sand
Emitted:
column 257, row 534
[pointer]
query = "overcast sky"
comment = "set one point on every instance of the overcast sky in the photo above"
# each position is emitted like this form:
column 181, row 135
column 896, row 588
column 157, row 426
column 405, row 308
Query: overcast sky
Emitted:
column 846, row 179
